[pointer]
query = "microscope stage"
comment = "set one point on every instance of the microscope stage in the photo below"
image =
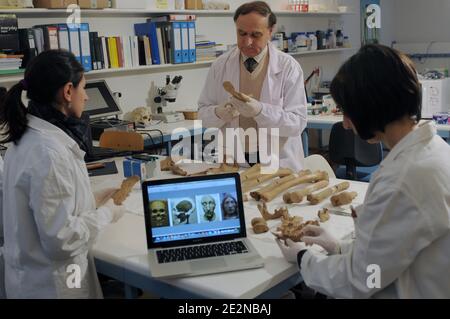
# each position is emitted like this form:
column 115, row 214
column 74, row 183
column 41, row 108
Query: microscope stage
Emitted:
column 171, row 117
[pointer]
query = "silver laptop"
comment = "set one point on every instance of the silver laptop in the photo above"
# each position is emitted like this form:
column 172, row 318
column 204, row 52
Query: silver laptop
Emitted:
column 196, row 226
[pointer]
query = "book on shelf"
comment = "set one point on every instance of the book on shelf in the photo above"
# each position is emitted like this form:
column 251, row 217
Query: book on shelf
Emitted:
column 9, row 33
column 165, row 40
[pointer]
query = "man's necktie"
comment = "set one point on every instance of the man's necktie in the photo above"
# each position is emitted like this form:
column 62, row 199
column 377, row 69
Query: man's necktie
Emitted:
column 250, row 64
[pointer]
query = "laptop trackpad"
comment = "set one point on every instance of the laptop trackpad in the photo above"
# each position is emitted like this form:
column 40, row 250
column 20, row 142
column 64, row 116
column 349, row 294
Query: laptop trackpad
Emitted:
column 208, row 264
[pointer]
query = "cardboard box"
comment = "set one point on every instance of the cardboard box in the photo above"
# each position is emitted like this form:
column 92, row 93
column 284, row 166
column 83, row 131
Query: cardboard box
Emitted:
column 129, row 4
column 93, row 4
column 193, row 4
column 53, row 4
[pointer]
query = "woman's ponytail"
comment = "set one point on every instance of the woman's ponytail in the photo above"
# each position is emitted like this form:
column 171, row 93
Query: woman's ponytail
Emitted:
column 13, row 114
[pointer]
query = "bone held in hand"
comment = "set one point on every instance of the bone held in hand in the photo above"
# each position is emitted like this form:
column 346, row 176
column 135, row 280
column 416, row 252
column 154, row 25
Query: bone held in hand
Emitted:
column 297, row 197
column 343, row 198
column 248, row 185
column 270, row 195
column 125, row 189
column 257, row 194
column 315, row 199
column 228, row 86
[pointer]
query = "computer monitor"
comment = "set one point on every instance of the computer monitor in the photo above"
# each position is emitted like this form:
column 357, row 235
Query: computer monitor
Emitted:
column 101, row 102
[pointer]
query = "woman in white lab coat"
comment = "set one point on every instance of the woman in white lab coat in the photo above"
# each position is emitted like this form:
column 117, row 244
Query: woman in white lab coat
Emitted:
column 50, row 217
column 402, row 244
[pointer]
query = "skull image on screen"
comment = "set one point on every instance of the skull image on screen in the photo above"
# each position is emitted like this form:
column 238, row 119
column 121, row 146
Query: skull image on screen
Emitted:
column 183, row 211
column 209, row 207
column 159, row 215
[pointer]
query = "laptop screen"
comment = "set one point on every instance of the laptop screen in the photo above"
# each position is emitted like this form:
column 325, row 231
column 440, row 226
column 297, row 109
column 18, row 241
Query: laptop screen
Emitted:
column 193, row 210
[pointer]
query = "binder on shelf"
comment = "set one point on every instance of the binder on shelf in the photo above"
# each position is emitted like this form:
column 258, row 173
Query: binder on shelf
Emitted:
column 74, row 37
column 149, row 29
column 160, row 45
column 104, row 50
column 38, row 34
column 184, row 42
column 50, row 36
column 27, row 46
column 63, row 37
column 177, row 48
column 93, row 55
column 86, row 58
column 192, row 51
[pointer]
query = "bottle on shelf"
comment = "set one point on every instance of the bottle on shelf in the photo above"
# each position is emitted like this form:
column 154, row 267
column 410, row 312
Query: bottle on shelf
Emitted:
column 339, row 39
column 321, row 40
column 285, row 43
column 302, row 42
column 304, row 5
column 331, row 39
column 313, row 39
column 347, row 43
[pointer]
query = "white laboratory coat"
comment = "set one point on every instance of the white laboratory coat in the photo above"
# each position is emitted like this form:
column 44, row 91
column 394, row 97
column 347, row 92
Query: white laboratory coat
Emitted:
column 50, row 220
column 282, row 97
column 403, row 227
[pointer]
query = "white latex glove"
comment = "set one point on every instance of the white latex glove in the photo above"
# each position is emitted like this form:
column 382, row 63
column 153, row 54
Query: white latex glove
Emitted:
column 249, row 109
column 117, row 211
column 292, row 249
column 318, row 235
column 226, row 112
column 102, row 196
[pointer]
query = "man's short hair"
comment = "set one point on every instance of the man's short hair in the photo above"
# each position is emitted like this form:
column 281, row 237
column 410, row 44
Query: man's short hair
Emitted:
column 260, row 7
column 375, row 87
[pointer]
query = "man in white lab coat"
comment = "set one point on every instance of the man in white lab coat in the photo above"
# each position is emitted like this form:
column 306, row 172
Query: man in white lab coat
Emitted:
column 275, row 82
column 402, row 244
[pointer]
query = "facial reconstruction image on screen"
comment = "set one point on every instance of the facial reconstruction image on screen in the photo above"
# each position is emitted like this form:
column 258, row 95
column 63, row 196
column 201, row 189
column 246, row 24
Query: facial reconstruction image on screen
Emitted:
column 159, row 213
column 96, row 100
column 210, row 211
column 183, row 211
column 229, row 206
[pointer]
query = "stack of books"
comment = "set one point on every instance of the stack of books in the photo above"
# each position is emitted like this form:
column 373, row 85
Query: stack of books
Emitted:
column 10, row 63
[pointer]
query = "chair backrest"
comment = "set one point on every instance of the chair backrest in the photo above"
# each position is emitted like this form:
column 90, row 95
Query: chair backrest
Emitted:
column 348, row 149
column 122, row 141
column 318, row 163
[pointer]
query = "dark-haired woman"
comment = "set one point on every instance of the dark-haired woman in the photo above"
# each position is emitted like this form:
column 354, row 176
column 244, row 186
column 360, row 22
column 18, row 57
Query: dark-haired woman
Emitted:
column 402, row 244
column 50, row 216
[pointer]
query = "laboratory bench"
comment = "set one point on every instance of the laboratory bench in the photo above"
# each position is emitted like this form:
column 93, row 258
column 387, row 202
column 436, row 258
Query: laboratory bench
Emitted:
column 121, row 251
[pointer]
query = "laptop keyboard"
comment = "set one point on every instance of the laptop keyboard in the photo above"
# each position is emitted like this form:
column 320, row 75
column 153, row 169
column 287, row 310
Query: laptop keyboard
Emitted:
column 204, row 251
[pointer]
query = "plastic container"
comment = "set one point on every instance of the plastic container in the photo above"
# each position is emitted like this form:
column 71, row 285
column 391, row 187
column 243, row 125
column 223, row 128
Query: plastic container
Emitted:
column 313, row 40
column 441, row 118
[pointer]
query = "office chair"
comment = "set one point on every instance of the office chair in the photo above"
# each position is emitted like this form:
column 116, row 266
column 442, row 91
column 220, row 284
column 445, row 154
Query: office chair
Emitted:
column 122, row 141
column 351, row 151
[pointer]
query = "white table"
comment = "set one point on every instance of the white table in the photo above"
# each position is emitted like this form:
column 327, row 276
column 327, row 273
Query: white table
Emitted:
column 121, row 252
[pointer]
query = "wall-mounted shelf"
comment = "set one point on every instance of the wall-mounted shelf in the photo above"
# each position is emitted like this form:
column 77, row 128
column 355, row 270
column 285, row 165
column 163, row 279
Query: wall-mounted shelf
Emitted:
column 149, row 68
column 41, row 13
column 321, row 51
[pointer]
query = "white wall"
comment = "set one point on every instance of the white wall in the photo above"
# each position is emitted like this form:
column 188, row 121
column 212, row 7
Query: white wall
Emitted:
column 135, row 88
column 414, row 24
